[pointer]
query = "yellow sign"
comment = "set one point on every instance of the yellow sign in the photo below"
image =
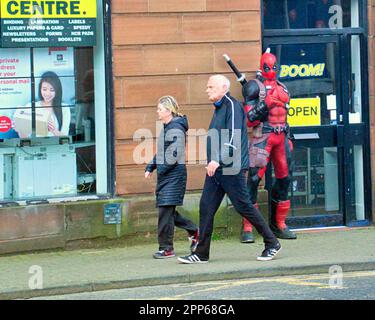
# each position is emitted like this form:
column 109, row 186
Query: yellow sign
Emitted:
column 48, row 23
column 26, row 9
column 304, row 112
column 303, row 70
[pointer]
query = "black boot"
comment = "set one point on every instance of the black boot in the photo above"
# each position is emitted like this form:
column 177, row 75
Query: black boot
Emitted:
column 247, row 233
column 279, row 213
column 247, row 237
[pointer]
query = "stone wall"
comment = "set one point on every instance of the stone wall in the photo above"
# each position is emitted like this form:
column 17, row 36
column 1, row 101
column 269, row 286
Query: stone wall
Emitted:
column 81, row 224
column 172, row 47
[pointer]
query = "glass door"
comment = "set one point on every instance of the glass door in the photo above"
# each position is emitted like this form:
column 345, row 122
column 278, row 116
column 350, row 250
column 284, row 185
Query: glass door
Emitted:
column 309, row 67
column 355, row 131
column 328, row 128
column 322, row 49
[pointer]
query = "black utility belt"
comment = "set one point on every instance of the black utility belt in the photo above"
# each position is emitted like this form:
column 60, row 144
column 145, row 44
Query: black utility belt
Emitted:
column 276, row 129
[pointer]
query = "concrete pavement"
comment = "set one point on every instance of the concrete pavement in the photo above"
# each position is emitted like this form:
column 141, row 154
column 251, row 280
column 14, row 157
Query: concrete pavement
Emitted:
column 61, row 272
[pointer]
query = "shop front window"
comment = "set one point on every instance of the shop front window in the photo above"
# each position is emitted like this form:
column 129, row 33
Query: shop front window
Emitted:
column 314, row 186
column 309, row 72
column 302, row 14
column 52, row 106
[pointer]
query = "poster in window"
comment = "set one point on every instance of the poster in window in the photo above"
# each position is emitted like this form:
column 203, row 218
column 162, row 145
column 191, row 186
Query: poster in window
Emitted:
column 15, row 82
column 15, row 90
column 303, row 61
column 57, row 64
column 58, row 59
column 54, row 93
column 54, row 90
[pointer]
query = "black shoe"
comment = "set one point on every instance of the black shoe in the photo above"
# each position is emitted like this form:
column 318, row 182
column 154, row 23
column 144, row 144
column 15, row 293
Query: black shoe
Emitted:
column 193, row 258
column 164, row 254
column 247, row 237
column 194, row 241
column 283, row 234
column 270, row 253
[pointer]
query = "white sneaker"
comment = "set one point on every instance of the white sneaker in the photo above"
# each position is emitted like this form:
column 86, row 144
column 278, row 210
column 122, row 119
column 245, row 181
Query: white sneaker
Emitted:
column 269, row 254
column 193, row 258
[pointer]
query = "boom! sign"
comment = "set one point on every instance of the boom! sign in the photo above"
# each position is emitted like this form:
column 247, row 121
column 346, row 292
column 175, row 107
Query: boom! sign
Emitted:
column 304, row 112
column 48, row 23
column 302, row 71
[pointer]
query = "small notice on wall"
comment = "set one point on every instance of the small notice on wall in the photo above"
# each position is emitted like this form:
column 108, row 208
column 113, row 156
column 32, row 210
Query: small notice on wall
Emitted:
column 48, row 23
column 112, row 213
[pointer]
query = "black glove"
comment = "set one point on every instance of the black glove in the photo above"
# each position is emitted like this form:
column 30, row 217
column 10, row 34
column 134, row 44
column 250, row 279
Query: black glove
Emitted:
column 250, row 91
column 257, row 112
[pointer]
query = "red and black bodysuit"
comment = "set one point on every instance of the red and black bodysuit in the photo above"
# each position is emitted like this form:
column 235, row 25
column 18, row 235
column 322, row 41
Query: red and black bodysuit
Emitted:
column 266, row 103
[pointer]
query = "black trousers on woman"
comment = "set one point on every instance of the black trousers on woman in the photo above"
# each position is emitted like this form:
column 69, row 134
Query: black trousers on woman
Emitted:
column 168, row 219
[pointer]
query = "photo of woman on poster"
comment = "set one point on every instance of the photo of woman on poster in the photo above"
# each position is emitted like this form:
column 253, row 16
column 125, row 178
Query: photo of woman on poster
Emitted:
column 50, row 101
column 52, row 118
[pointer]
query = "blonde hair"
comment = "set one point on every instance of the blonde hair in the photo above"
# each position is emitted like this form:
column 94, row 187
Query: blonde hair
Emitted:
column 170, row 103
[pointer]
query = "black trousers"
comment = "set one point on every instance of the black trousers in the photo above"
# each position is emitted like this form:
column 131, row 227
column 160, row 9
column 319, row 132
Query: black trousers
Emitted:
column 213, row 193
column 168, row 219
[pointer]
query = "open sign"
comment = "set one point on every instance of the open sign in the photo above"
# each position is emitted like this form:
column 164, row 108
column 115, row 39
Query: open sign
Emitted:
column 304, row 112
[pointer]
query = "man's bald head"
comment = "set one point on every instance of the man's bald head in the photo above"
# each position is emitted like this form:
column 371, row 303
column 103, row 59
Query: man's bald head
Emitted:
column 217, row 86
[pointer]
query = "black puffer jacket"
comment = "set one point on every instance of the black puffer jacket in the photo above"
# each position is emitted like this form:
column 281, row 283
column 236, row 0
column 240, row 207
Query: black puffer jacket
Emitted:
column 170, row 163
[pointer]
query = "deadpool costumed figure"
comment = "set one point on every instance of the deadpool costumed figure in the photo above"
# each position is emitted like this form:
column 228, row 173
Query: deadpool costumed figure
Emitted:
column 266, row 103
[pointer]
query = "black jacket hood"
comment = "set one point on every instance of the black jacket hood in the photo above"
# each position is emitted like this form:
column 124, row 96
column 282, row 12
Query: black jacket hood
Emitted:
column 180, row 122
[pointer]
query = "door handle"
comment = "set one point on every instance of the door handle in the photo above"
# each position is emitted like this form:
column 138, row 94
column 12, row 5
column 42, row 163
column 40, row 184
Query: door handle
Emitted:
column 306, row 136
column 340, row 136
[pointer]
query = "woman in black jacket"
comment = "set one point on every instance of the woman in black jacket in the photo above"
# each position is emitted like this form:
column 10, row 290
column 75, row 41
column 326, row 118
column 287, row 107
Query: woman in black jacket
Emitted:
column 171, row 177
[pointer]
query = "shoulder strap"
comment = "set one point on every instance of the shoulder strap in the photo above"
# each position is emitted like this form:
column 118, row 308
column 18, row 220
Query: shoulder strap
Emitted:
column 262, row 89
column 282, row 84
